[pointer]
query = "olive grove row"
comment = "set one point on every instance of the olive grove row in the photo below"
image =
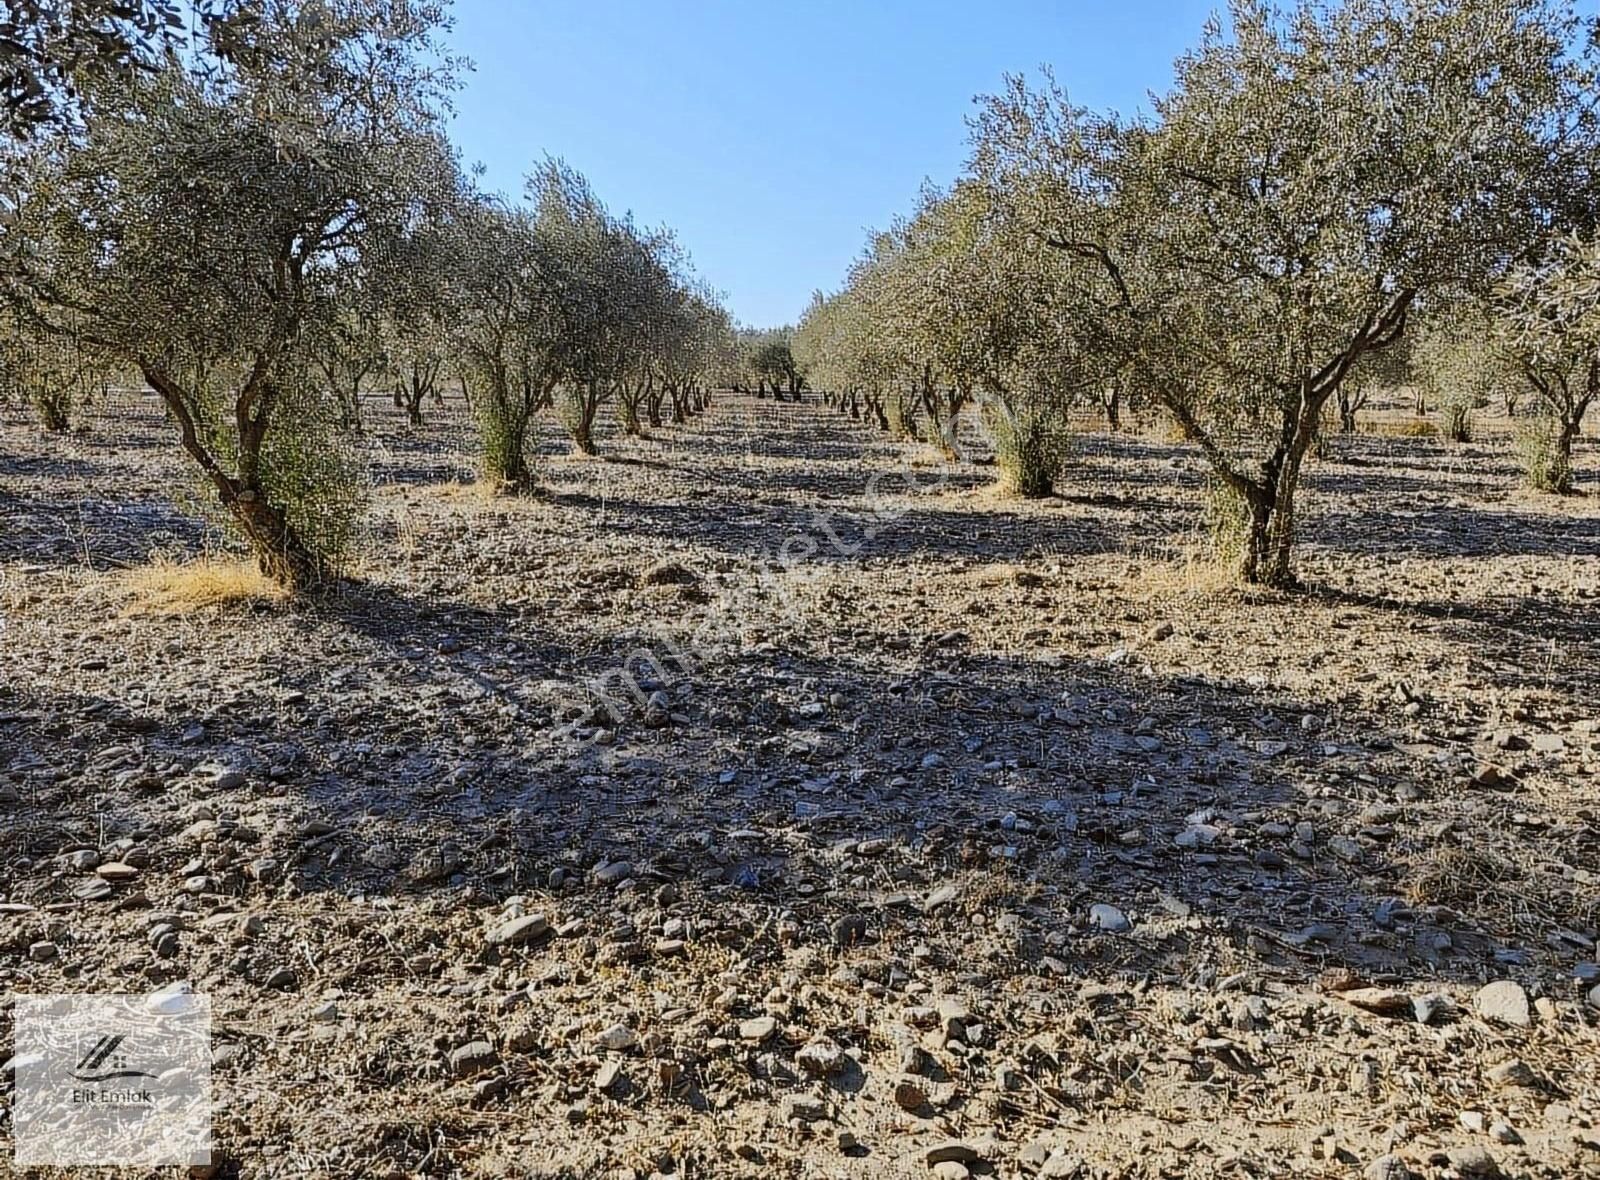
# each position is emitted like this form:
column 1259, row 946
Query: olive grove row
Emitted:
column 265, row 222
column 1327, row 192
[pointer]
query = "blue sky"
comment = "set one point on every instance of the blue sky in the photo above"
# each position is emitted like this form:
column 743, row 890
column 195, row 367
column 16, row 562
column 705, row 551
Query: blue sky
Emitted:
column 773, row 134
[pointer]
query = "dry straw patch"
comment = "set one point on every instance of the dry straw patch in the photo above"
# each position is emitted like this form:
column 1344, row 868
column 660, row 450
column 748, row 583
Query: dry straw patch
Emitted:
column 1401, row 428
column 180, row 588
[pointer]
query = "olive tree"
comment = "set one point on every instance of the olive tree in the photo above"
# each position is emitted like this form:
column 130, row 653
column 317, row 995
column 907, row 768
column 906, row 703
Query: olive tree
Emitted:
column 190, row 230
column 510, row 331
column 1311, row 174
column 1550, row 324
column 51, row 51
column 53, row 372
column 423, row 309
column 1459, row 363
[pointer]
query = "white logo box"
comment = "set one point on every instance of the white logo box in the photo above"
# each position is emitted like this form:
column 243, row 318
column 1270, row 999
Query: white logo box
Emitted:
column 112, row 1079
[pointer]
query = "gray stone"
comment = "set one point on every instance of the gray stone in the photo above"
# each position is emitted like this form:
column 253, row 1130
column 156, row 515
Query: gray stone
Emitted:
column 1504, row 1002
column 758, row 1028
column 1432, row 1007
column 1473, row 1163
column 952, row 1150
column 803, row 1108
column 1512, row 1073
column 1346, row 849
column 520, row 931
column 607, row 1076
column 822, row 1058
column 472, row 1057
column 1109, row 918
column 1387, row 1167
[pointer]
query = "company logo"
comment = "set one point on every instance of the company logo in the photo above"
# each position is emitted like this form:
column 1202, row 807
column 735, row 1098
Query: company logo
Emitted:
column 103, row 1054
column 112, row 1079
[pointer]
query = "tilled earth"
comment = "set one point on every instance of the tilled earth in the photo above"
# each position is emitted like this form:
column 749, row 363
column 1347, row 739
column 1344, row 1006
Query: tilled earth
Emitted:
column 929, row 834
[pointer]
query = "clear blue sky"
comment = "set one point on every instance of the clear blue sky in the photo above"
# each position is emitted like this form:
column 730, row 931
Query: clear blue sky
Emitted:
column 772, row 134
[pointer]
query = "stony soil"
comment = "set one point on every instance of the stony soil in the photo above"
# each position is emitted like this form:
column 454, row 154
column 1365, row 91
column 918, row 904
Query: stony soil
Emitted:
column 961, row 836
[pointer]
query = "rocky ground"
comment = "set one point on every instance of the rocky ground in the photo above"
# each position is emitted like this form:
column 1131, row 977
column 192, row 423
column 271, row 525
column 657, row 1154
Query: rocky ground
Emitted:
column 945, row 835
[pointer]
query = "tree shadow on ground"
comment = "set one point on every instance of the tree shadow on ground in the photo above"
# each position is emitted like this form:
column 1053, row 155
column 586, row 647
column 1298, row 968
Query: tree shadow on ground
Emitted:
column 747, row 528
column 1516, row 630
column 1448, row 530
column 821, row 786
column 56, row 529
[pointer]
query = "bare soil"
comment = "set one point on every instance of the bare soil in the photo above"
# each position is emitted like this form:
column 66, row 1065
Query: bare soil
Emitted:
column 871, row 788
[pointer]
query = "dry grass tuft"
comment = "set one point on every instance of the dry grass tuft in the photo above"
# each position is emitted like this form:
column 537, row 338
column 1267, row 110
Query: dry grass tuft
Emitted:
column 1404, row 428
column 173, row 588
column 1462, row 878
column 1195, row 572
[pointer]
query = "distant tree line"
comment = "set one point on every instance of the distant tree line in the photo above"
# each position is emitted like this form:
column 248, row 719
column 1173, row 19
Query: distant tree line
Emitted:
column 1328, row 193
column 270, row 224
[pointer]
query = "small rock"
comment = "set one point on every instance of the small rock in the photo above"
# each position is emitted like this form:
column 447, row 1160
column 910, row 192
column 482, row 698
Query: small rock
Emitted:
column 849, row 930
column 1382, row 1000
column 1504, row 1002
column 1109, row 919
column 42, row 952
column 822, row 1058
column 280, row 979
column 1492, row 777
column 1512, row 1073
column 116, row 871
column 1431, row 1007
column 758, row 1028
column 1473, row 1163
column 436, row 864
column 803, row 1108
column 610, row 872
column 472, row 1057
column 520, row 931
column 607, row 1076
column 951, row 1150
column 618, row 1038
column 94, row 889
column 669, row 573
column 21, row 1061
column 1346, row 849
column 909, row 1095
column 486, row 1088
column 171, row 999
column 1387, row 1167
